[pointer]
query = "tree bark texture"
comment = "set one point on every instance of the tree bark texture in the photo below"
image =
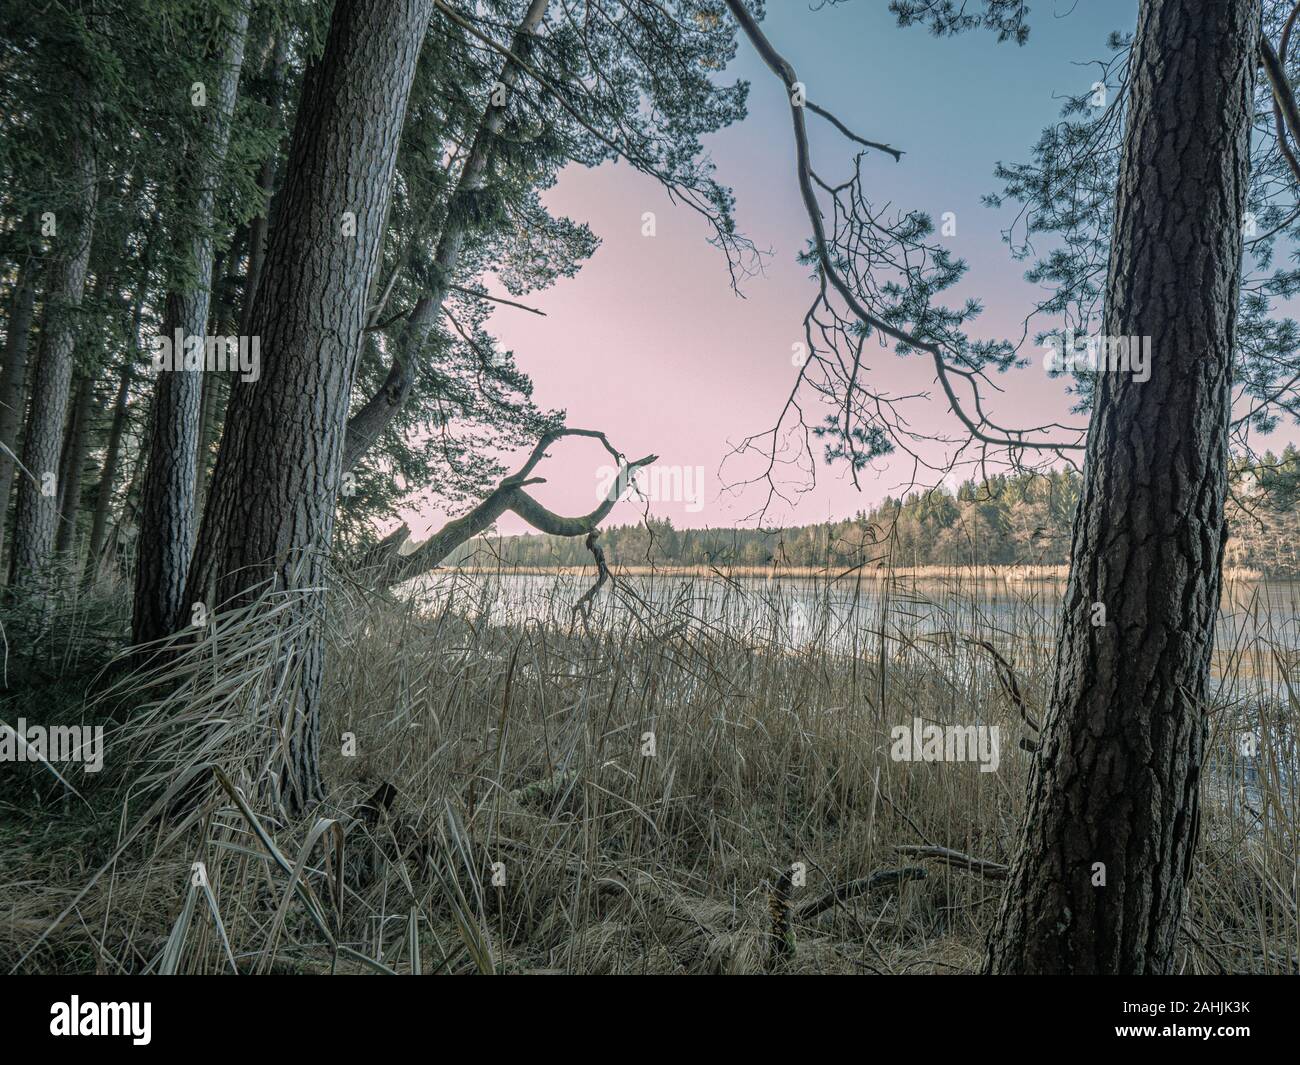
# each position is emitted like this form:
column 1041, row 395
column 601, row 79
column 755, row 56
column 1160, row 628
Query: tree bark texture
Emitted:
column 167, row 509
column 13, row 378
column 1114, row 790
column 37, row 518
column 271, row 507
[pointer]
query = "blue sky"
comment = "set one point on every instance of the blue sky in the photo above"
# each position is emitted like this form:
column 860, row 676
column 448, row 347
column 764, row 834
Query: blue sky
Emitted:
column 649, row 342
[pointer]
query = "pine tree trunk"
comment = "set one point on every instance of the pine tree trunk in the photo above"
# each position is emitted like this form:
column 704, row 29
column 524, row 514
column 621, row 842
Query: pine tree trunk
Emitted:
column 73, row 464
column 1114, row 790
column 167, row 511
column 36, row 522
column 215, row 383
column 13, row 378
column 266, row 183
column 377, row 412
column 112, row 453
column 207, row 381
column 271, row 508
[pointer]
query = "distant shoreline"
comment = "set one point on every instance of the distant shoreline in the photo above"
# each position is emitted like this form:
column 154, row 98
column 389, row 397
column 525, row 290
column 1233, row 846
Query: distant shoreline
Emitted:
column 1003, row 574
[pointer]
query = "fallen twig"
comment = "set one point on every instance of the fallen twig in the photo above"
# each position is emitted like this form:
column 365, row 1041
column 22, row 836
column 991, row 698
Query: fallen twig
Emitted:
column 992, row 870
column 854, row 888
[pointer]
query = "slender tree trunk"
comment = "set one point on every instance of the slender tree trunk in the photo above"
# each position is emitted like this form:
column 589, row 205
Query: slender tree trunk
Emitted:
column 215, row 382
column 1099, row 881
column 370, row 420
column 36, row 522
column 116, row 553
column 270, row 514
column 266, row 183
column 167, row 512
column 112, row 454
column 206, row 406
column 13, row 378
column 206, row 382
column 73, row 464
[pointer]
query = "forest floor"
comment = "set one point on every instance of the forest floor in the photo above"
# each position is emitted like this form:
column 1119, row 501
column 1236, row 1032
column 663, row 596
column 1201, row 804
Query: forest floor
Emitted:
column 642, row 791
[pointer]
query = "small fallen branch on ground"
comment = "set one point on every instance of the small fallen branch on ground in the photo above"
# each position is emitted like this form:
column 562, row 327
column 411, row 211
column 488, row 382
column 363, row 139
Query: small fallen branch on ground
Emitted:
column 854, row 888
column 991, row 870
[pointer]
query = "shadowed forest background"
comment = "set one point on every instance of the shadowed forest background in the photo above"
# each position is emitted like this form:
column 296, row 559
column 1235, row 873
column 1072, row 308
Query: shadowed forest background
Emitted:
column 281, row 282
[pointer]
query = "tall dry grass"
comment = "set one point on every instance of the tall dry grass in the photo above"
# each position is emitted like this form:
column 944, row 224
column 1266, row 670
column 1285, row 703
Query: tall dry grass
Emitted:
column 498, row 809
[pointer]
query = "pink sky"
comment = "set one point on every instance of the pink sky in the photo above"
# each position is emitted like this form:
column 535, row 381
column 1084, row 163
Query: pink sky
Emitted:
column 649, row 343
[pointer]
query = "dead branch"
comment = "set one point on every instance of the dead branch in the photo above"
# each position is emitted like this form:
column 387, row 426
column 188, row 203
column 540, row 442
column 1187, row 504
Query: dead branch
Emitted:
column 978, row 425
column 989, row 870
column 1285, row 112
column 1010, row 687
column 854, row 888
column 508, row 496
column 583, row 605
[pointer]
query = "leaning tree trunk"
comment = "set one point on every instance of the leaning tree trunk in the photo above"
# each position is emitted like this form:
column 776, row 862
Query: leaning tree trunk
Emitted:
column 388, row 564
column 366, row 425
column 37, row 519
column 167, row 513
column 1099, row 881
column 271, row 505
column 13, row 378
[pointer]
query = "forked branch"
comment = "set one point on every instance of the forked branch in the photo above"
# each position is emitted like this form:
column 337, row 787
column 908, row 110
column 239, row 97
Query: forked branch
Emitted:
column 508, row 497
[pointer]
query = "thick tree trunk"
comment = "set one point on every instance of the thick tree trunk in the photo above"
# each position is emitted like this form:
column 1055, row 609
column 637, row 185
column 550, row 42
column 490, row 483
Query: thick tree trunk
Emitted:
column 270, row 513
column 1113, row 793
column 167, row 512
column 13, row 378
column 374, row 415
column 36, row 522
column 75, row 447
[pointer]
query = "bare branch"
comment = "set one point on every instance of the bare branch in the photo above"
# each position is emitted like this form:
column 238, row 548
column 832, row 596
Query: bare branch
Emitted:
column 977, row 424
column 508, row 497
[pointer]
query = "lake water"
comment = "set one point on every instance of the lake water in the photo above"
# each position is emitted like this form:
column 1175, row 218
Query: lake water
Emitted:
column 1257, row 635
column 1255, row 666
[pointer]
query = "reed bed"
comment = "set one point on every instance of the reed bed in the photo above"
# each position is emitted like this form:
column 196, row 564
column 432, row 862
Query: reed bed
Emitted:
column 696, row 777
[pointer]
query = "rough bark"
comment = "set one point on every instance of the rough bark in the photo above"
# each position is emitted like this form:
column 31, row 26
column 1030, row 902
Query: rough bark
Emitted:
column 271, row 508
column 36, row 521
column 167, row 510
column 1116, row 781
column 13, row 378
column 376, row 413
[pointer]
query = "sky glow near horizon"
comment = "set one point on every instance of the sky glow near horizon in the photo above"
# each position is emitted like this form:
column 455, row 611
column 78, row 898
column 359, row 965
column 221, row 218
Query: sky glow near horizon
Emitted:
column 650, row 344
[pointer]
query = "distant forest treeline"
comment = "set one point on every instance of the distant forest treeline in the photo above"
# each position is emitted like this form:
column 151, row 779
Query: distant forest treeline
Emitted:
column 1005, row 520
